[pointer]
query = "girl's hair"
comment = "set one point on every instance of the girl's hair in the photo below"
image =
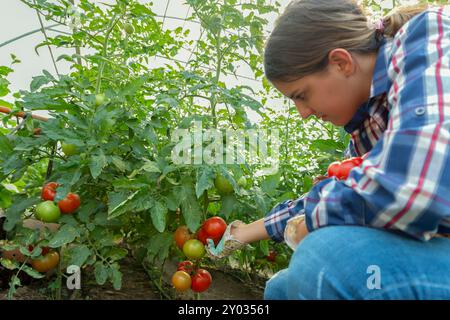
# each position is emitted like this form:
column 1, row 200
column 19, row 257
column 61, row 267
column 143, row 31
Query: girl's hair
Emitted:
column 309, row 29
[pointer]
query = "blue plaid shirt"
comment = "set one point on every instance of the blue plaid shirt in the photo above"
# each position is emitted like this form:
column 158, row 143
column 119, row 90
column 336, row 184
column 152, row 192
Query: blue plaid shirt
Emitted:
column 404, row 182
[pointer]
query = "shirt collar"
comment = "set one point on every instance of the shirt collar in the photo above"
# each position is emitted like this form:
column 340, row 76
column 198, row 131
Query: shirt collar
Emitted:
column 380, row 85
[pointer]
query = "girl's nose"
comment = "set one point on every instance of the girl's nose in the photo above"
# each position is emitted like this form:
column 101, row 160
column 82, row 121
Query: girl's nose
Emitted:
column 305, row 112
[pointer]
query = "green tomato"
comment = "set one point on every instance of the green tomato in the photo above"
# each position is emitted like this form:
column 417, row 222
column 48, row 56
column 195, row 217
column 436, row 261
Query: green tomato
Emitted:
column 69, row 149
column 222, row 185
column 107, row 125
column 194, row 249
column 243, row 182
column 47, row 211
column 100, row 99
column 129, row 29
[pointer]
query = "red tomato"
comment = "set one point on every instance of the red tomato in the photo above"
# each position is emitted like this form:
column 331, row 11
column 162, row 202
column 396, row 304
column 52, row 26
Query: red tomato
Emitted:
column 333, row 169
column 46, row 263
column 271, row 257
column 201, row 280
column 214, row 227
column 186, row 266
column 181, row 235
column 70, row 203
column 181, row 280
column 49, row 191
column 202, row 236
column 342, row 169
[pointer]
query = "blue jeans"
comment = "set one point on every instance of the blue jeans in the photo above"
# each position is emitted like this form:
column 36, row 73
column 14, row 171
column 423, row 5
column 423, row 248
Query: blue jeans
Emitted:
column 349, row 262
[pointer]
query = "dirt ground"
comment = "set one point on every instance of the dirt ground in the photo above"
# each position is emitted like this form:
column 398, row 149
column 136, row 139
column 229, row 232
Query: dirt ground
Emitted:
column 136, row 285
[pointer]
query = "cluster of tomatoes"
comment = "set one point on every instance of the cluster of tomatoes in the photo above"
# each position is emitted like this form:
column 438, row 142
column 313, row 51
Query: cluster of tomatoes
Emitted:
column 341, row 169
column 48, row 211
column 188, row 274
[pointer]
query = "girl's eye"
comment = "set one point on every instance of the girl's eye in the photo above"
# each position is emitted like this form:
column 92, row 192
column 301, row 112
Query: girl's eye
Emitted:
column 300, row 97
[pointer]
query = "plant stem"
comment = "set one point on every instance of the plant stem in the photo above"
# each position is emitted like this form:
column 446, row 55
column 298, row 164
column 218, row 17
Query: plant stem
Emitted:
column 46, row 39
column 104, row 52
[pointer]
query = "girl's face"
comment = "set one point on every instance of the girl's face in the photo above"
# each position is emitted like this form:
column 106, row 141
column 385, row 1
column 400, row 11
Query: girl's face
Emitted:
column 334, row 94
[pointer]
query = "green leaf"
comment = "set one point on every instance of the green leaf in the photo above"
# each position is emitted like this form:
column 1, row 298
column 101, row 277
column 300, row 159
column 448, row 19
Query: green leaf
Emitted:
column 118, row 203
column 32, row 273
column 38, row 82
column 9, row 264
column 66, row 234
column 13, row 214
column 114, row 253
column 228, row 204
column 78, row 255
column 119, row 163
column 116, row 277
column 189, row 204
column 264, row 246
column 205, row 180
column 97, row 163
column 270, row 184
column 101, row 273
column 159, row 214
column 159, row 245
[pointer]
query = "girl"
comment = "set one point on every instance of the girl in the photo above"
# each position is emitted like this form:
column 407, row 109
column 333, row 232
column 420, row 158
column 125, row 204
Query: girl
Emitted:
column 378, row 234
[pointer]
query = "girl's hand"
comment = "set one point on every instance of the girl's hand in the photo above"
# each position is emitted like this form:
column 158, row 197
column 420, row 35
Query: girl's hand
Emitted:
column 227, row 244
column 295, row 231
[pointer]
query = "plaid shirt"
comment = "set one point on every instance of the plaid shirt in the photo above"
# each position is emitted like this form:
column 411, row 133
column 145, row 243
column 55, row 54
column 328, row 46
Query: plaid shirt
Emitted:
column 404, row 182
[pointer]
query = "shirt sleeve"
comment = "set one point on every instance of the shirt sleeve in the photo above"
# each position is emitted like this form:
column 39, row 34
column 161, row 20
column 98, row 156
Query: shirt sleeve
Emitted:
column 404, row 181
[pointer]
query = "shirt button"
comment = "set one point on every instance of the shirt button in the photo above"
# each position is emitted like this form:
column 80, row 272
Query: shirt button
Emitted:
column 420, row 111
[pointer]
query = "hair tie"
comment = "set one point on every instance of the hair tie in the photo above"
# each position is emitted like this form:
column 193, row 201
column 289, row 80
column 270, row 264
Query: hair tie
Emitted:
column 379, row 25
column 376, row 24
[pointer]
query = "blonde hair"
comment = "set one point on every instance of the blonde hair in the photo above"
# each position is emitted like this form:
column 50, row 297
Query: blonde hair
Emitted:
column 309, row 29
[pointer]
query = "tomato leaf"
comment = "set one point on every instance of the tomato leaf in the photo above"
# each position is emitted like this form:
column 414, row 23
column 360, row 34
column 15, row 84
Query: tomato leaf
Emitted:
column 159, row 244
column 78, row 255
column 97, row 163
column 116, row 276
column 228, row 204
column 189, row 204
column 101, row 273
column 159, row 213
column 32, row 273
column 66, row 234
column 13, row 214
column 205, row 180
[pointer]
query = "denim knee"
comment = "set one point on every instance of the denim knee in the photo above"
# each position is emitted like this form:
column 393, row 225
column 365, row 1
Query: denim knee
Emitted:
column 336, row 263
column 276, row 287
column 325, row 265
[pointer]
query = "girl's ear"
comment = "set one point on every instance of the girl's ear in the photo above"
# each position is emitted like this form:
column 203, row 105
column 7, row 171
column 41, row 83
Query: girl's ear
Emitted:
column 342, row 60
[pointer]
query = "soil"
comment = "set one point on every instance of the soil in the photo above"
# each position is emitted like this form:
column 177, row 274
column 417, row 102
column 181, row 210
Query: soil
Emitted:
column 229, row 284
